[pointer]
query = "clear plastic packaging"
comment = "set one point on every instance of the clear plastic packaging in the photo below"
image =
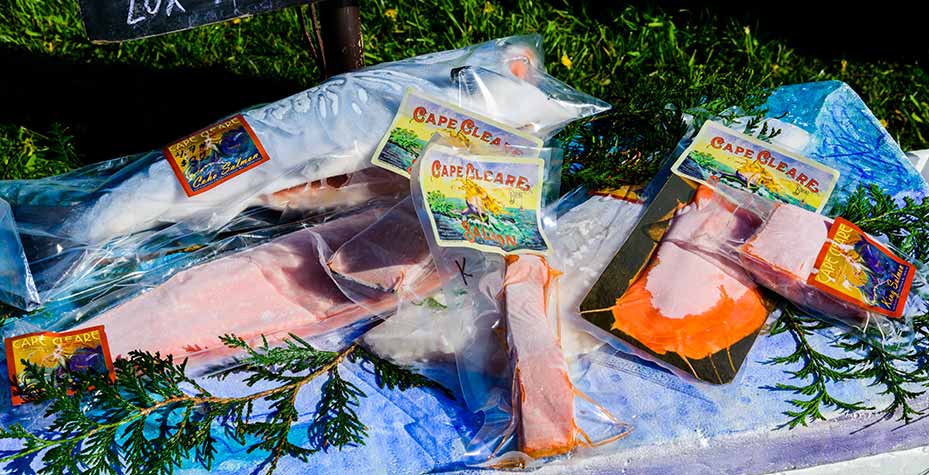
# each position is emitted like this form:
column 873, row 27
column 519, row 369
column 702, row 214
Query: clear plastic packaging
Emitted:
column 124, row 208
column 688, row 309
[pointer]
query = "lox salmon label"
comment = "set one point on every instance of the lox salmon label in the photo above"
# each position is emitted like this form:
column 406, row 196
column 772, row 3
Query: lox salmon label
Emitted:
column 420, row 117
column 491, row 204
column 60, row 354
column 854, row 267
column 719, row 154
column 207, row 158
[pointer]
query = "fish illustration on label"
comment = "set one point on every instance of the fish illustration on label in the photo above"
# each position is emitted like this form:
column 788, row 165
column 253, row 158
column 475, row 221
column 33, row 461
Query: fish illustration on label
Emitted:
column 854, row 267
column 719, row 154
column 207, row 158
column 61, row 355
column 488, row 203
column 420, row 117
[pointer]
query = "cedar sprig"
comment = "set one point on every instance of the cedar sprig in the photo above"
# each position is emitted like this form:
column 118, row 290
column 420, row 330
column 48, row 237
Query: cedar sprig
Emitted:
column 629, row 144
column 766, row 134
column 154, row 417
column 816, row 372
column 882, row 362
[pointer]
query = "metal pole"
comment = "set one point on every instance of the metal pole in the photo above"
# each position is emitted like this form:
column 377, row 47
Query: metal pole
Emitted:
column 341, row 36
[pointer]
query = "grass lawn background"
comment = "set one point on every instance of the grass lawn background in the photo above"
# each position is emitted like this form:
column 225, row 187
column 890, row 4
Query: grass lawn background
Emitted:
column 65, row 101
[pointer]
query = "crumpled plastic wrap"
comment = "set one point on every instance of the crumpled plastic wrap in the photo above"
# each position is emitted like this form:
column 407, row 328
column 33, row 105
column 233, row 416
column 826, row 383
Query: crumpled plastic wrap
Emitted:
column 16, row 285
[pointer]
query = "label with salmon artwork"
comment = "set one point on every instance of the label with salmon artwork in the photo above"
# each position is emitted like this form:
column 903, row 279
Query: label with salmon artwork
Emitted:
column 488, row 203
column 205, row 159
column 719, row 154
column 59, row 354
column 854, row 267
column 420, row 117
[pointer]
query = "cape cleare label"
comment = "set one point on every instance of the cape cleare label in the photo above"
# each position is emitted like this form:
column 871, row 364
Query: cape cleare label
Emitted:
column 854, row 267
column 218, row 153
column 421, row 117
column 58, row 354
column 719, row 154
column 491, row 204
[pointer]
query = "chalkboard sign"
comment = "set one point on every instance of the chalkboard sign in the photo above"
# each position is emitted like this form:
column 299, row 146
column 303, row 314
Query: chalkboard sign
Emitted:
column 120, row 20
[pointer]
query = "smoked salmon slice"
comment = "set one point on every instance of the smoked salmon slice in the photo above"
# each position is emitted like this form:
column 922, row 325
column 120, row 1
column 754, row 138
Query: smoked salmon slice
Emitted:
column 695, row 309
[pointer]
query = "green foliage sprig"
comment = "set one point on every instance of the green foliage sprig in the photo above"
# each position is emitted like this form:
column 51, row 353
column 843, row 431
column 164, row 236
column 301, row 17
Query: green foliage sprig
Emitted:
column 817, row 370
column 882, row 363
column 630, row 144
column 104, row 426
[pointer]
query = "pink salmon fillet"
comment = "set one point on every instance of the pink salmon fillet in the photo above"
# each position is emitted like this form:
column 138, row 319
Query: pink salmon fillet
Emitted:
column 387, row 255
column 277, row 288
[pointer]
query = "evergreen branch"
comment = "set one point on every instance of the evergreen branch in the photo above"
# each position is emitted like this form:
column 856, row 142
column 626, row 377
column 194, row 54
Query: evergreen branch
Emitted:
column 98, row 425
column 817, row 370
column 880, row 363
column 629, row 144
column 336, row 422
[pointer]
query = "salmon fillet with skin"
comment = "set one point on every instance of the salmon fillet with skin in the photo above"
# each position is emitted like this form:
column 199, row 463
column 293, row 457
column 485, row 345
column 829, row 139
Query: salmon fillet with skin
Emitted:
column 278, row 287
column 546, row 425
column 352, row 189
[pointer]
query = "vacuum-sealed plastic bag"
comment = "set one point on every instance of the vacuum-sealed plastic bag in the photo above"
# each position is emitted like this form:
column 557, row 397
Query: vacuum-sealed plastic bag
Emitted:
column 265, row 155
column 826, row 266
column 686, row 306
column 497, row 317
column 267, row 284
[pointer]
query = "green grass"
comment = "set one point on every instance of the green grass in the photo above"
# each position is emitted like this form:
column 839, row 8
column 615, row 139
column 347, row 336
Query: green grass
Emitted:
column 641, row 59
